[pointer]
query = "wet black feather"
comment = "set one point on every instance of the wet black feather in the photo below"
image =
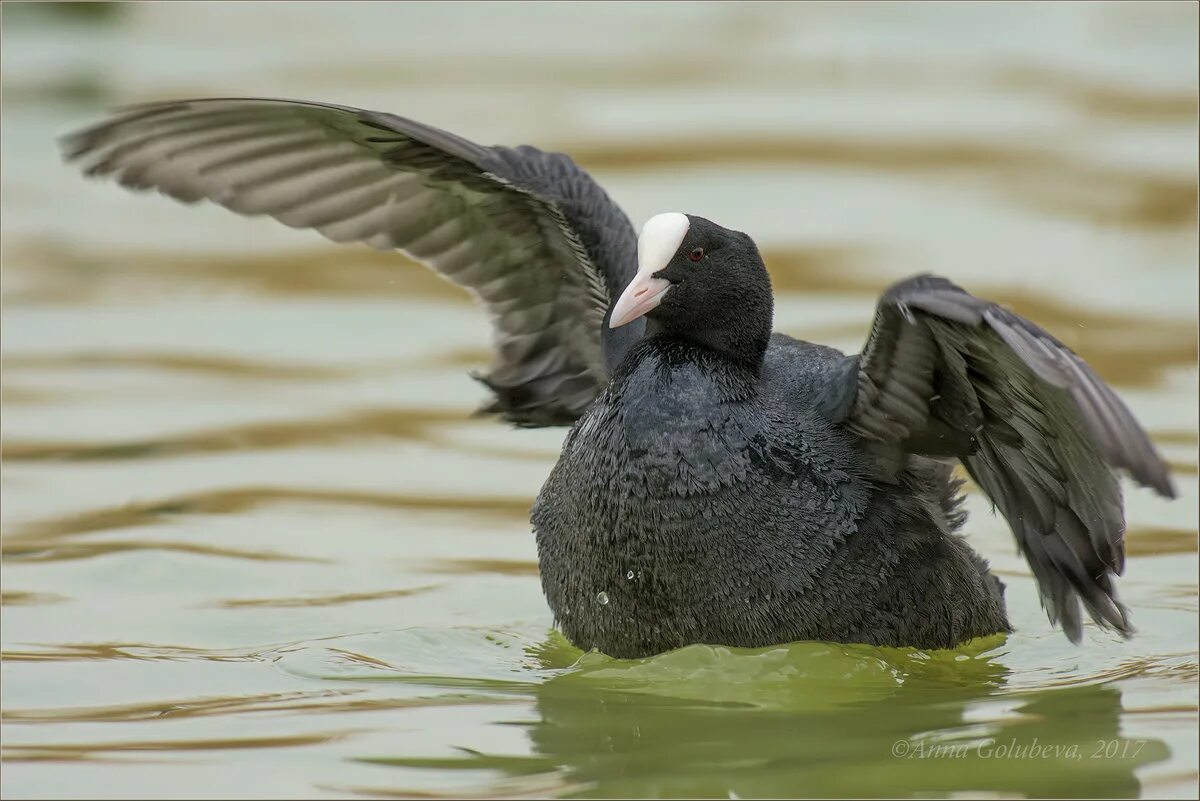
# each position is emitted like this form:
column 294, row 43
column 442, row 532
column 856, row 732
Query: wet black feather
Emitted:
column 720, row 484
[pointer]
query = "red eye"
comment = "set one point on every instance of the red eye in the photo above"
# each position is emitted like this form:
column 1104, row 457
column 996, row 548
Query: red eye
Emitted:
column 697, row 254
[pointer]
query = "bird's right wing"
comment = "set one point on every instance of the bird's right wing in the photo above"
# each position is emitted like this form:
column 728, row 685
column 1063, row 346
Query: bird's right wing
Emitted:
column 944, row 373
column 530, row 234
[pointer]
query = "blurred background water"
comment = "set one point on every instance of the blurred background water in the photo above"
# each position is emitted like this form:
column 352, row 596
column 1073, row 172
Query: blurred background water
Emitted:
column 255, row 544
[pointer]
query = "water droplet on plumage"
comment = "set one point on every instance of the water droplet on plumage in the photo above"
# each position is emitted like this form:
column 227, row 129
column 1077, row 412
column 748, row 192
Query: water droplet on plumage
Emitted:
column 629, row 575
column 602, row 598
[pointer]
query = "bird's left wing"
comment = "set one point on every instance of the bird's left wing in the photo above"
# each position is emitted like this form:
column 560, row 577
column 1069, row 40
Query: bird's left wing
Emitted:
column 944, row 373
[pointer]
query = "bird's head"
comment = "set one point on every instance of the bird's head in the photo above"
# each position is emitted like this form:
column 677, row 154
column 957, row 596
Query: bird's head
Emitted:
column 700, row 282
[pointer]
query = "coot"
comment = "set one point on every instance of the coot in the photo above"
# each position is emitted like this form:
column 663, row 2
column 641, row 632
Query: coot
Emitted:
column 720, row 483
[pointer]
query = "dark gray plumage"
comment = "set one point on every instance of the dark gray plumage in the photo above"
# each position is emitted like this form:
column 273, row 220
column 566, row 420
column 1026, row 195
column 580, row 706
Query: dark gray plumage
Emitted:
column 945, row 373
column 531, row 235
column 721, row 483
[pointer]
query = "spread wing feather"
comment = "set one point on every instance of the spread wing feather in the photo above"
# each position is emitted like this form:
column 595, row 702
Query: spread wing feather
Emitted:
column 945, row 373
column 530, row 234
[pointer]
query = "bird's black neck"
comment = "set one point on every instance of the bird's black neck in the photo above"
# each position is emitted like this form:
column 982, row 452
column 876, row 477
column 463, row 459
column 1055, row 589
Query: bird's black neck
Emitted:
column 737, row 378
column 742, row 348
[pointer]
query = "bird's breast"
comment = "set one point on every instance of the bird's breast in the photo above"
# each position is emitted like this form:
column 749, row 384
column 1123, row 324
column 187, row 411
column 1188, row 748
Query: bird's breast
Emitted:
column 670, row 434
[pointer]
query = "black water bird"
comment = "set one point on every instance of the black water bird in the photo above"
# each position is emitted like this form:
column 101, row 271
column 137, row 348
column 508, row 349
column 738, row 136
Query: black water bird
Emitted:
column 720, row 483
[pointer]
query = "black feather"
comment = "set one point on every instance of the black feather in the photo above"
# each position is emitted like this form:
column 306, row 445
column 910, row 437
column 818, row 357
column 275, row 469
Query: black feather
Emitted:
column 1036, row 428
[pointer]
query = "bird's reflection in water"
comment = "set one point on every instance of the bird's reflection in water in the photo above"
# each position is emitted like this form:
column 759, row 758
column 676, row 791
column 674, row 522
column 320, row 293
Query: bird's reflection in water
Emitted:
column 815, row 719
